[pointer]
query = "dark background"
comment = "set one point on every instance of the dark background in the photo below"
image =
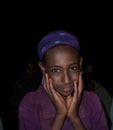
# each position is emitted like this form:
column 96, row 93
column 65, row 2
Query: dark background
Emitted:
column 24, row 24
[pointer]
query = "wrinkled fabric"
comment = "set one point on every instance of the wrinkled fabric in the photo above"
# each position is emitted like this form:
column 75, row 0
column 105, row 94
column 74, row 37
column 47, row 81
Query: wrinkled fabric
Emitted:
column 36, row 112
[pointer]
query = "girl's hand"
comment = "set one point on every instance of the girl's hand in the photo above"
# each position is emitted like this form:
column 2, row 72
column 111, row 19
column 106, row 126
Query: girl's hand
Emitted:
column 56, row 98
column 74, row 101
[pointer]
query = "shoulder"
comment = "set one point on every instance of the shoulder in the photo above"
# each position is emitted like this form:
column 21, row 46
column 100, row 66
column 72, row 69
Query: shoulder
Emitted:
column 91, row 98
column 89, row 95
column 34, row 102
column 31, row 98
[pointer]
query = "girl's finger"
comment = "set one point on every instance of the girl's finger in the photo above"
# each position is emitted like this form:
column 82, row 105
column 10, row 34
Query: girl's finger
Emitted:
column 80, row 84
column 75, row 89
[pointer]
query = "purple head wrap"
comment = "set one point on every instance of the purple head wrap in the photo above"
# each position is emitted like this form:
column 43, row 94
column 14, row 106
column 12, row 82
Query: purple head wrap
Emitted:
column 54, row 38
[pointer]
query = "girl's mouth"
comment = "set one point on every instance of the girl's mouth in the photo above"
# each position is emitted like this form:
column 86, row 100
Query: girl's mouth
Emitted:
column 67, row 89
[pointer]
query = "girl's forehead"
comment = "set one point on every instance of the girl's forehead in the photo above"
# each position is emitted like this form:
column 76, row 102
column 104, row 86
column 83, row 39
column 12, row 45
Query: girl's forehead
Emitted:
column 60, row 48
column 59, row 55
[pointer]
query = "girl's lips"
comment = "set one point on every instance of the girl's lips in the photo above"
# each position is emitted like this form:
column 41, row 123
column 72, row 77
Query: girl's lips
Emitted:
column 67, row 89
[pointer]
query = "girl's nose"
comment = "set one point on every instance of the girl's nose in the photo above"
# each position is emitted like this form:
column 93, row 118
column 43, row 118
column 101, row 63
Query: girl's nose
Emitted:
column 66, row 77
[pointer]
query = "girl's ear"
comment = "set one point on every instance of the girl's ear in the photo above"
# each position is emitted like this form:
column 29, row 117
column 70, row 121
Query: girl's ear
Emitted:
column 41, row 66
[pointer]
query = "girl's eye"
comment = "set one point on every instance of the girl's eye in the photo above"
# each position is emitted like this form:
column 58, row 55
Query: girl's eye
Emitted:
column 73, row 68
column 55, row 70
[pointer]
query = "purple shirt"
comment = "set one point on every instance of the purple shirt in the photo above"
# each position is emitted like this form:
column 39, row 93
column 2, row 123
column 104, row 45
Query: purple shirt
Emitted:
column 36, row 112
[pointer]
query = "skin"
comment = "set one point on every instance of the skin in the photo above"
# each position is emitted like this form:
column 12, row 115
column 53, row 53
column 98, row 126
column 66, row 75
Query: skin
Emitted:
column 63, row 83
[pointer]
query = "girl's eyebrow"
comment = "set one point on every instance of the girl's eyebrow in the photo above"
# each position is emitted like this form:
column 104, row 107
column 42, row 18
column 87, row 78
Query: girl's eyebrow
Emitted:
column 54, row 66
column 57, row 66
column 74, row 64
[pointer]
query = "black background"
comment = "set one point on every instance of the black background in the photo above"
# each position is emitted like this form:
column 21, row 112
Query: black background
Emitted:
column 24, row 24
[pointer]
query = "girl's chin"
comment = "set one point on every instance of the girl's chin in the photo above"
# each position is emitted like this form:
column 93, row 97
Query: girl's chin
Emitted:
column 65, row 94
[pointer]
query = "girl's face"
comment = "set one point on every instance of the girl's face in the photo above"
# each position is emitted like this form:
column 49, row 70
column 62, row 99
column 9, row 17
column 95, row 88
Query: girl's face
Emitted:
column 62, row 64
